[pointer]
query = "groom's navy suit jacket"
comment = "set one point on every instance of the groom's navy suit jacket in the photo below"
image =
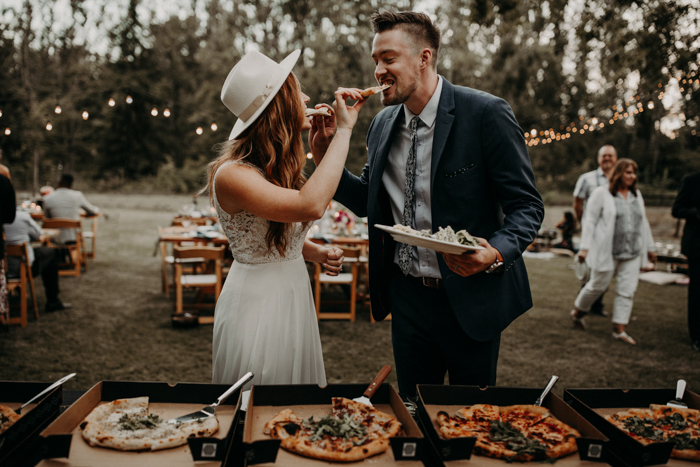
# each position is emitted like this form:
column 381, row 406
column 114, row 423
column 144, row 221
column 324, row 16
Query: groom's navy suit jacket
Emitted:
column 481, row 180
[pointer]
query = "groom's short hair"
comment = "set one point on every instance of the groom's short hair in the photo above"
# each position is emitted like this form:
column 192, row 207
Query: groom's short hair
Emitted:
column 417, row 25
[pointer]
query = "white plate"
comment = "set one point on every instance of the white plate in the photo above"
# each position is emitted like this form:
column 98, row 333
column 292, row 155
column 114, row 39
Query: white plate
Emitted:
column 427, row 242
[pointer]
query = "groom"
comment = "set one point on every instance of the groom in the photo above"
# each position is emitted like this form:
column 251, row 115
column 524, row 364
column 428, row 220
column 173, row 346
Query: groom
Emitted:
column 441, row 155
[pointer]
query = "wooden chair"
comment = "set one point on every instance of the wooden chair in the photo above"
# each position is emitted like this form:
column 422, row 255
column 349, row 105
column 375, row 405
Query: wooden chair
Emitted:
column 25, row 277
column 210, row 280
column 75, row 250
column 91, row 236
column 352, row 256
column 168, row 261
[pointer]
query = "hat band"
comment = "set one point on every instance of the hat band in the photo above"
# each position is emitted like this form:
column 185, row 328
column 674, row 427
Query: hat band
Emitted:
column 261, row 98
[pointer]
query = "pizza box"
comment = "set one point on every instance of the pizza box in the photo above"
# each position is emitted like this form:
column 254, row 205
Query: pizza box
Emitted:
column 35, row 416
column 592, row 445
column 595, row 404
column 63, row 443
column 306, row 400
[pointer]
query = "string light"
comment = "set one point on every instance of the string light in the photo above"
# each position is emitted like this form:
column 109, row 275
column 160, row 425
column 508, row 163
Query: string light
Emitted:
column 154, row 112
column 111, row 102
column 57, row 109
column 650, row 105
column 7, row 131
column 199, row 130
column 49, row 126
column 85, row 114
column 214, row 127
column 0, row 113
column 129, row 100
column 166, row 112
column 309, row 155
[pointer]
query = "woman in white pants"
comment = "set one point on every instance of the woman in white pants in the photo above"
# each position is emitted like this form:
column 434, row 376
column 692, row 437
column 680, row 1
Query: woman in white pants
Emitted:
column 616, row 241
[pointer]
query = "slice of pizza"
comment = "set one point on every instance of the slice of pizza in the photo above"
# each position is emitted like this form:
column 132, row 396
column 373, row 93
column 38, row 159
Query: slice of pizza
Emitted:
column 374, row 90
column 480, row 416
column 523, row 416
column 8, row 417
column 640, row 424
column 681, row 427
column 558, row 437
column 457, row 427
column 378, row 423
column 321, row 111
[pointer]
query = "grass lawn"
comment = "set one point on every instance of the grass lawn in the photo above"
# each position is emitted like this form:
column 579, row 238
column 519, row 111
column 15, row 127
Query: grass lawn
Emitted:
column 119, row 327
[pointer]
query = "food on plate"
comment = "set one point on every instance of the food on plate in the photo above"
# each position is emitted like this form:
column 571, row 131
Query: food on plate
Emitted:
column 353, row 431
column 661, row 423
column 374, row 90
column 125, row 424
column 8, row 417
column 446, row 235
column 514, row 433
column 320, row 111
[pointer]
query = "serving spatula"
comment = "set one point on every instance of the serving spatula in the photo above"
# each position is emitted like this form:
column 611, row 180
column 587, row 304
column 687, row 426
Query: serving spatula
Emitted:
column 550, row 385
column 374, row 385
column 678, row 401
column 54, row 385
column 210, row 410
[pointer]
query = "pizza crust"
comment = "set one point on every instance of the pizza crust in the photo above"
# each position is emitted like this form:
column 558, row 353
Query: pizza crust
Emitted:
column 322, row 111
column 374, row 90
column 8, row 417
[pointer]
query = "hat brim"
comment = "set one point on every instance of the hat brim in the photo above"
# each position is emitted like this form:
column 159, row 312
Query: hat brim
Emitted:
column 287, row 64
column 581, row 270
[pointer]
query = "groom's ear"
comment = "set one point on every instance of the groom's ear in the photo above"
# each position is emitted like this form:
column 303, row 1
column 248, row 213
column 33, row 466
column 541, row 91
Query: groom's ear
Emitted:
column 426, row 57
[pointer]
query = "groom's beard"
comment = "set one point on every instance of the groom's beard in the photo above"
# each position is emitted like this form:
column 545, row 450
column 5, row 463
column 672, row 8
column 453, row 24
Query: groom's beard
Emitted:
column 401, row 94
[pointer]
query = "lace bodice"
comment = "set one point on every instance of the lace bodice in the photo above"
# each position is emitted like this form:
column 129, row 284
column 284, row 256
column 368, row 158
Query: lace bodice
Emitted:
column 246, row 237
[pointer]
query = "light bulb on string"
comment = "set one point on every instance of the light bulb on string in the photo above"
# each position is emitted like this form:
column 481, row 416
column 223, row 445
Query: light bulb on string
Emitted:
column 650, row 105
column 7, row 131
column 199, row 130
column 166, row 112
column 57, row 109
column 214, row 127
column 129, row 100
column 309, row 155
column 85, row 114
column 595, row 121
column 154, row 112
column 0, row 113
column 533, row 132
column 49, row 126
column 111, row 102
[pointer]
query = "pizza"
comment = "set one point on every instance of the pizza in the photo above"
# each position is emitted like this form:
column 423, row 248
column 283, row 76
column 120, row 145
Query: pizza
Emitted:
column 322, row 111
column 514, row 433
column 353, row 431
column 126, row 425
column 662, row 423
column 374, row 90
column 8, row 417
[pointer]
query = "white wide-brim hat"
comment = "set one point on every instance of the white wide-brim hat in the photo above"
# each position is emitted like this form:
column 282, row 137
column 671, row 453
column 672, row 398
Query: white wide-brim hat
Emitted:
column 252, row 84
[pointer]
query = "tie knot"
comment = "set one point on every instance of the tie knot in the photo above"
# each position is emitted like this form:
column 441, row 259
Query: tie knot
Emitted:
column 414, row 123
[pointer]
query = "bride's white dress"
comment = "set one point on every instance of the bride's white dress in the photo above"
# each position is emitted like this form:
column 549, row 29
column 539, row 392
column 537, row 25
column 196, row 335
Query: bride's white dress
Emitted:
column 265, row 320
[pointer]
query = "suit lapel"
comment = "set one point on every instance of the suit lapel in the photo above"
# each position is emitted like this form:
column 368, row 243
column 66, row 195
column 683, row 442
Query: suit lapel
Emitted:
column 382, row 153
column 443, row 125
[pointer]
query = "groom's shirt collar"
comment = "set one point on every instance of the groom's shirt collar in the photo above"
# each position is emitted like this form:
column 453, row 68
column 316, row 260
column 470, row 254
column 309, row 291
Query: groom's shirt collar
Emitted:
column 429, row 113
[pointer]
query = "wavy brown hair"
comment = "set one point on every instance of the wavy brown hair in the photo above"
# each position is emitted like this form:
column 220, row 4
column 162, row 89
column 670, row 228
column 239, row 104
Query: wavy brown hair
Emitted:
column 274, row 145
column 618, row 170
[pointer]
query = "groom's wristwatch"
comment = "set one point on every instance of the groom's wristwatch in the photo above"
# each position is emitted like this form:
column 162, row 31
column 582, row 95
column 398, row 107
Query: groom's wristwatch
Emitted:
column 497, row 265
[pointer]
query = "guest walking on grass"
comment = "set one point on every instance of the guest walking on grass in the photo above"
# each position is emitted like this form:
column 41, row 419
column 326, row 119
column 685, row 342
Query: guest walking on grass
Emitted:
column 616, row 241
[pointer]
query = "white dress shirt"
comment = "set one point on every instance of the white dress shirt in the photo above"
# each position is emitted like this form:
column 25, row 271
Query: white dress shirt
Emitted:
column 394, row 178
column 66, row 203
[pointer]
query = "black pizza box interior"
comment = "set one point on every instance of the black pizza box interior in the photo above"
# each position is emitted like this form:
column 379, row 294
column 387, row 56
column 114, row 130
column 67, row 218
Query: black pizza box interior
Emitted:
column 592, row 445
column 595, row 404
column 64, row 445
column 306, row 400
column 35, row 416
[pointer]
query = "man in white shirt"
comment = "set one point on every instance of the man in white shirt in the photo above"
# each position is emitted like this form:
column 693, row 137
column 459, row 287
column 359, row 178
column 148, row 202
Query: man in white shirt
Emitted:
column 66, row 203
column 43, row 260
column 586, row 183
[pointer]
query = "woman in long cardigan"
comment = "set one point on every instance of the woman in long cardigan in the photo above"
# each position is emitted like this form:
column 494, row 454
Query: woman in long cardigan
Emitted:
column 616, row 242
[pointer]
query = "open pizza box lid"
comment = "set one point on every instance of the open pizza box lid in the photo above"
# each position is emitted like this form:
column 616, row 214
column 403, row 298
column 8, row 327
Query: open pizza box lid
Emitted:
column 63, row 443
column 592, row 445
column 306, row 400
column 595, row 404
column 35, row 416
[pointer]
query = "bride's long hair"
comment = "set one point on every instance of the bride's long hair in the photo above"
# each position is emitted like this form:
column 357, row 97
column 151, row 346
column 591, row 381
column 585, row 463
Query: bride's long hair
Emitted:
column 274, row 145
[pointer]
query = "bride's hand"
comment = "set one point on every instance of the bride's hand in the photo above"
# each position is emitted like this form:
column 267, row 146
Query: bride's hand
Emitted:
column 333, row 260
column 346, row 116
column 321, row 133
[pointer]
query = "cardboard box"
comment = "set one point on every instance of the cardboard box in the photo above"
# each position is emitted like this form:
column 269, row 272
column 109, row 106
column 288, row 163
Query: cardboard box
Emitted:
column 35, row 416
column 306, row 400
column 595, row 404
column 64, row 445
column 592, row 445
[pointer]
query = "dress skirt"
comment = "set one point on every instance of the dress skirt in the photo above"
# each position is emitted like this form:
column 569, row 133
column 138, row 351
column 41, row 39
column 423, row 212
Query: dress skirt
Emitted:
column 265, row 323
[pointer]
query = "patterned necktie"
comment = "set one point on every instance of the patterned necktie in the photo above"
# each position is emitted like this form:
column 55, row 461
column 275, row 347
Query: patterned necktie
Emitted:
column 406, row 251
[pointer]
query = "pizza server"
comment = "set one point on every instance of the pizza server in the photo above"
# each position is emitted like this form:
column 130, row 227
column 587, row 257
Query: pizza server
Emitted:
column 678, row 401
column 54, row 385
column 210, row 410
column 373, row 386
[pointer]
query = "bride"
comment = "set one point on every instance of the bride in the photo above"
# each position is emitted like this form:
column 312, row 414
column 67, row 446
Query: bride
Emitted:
column 265, row 320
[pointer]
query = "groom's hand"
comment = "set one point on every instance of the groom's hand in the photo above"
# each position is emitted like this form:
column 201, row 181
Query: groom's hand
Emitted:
column 472, row 261
column 321, row 133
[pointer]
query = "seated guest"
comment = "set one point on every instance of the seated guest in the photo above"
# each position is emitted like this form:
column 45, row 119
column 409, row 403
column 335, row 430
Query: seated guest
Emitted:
column 65, row 203
column 567, row 226
column 43, row 260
